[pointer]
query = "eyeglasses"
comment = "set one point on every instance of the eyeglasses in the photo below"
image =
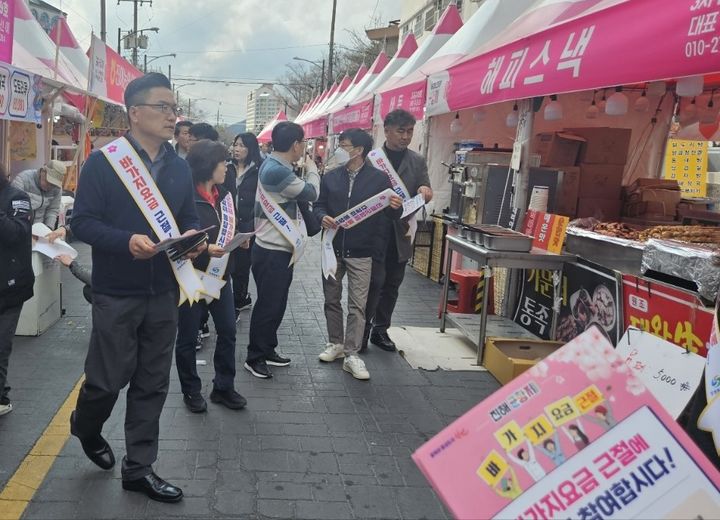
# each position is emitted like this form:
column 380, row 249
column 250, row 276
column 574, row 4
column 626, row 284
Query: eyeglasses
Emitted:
column 162, row 107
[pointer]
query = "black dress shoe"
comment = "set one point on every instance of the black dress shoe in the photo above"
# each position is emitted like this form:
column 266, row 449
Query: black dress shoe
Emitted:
column 229, row 398
column 155, row 488
column 195, row 403
column 276, row 360
column 96, row 448
column 258, row 368
column 382, row 340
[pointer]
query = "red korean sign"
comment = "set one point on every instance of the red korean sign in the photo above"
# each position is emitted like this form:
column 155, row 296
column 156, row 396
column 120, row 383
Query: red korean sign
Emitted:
column 629, row 42
column 669, row 313
column 110, row 73
column 548, row 230
column 7, row 23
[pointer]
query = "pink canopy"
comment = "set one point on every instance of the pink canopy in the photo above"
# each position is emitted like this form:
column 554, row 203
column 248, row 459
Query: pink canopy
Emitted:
column 265, row 135
column 339, row 100
column 69, row 46
column 567, row 46
column 395, row 92
column 318, row 126
column 360, row 109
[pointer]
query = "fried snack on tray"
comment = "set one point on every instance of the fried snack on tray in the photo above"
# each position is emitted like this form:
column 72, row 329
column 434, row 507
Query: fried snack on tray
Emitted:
column 616, row 230
column 691, row 234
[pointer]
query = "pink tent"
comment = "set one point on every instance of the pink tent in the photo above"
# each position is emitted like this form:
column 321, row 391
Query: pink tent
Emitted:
column 314, row 112
column 357, row 79
column 396, row 92
column 318, row 126
column 265, row 135
column 359, row 111
column 568, row 46
column 69, row 46
column 31, row 39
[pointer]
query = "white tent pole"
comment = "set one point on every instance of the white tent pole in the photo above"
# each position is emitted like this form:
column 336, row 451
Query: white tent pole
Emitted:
column 524, row 137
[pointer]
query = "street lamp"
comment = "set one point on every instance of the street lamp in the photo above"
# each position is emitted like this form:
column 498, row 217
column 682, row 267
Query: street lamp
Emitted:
column 178, row 87
column 322, row 67
column 153, row 58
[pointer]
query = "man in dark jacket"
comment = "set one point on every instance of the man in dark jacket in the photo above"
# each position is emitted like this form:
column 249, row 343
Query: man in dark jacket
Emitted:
column 134, row 289
column 354, row 182
column 16, row 273
column 387, row 275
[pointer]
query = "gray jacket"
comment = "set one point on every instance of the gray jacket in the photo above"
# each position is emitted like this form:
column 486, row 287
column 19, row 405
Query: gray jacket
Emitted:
column 45, row 204
column 414, row 173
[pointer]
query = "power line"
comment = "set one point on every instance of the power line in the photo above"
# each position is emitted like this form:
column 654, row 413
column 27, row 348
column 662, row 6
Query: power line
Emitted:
column 258, row 49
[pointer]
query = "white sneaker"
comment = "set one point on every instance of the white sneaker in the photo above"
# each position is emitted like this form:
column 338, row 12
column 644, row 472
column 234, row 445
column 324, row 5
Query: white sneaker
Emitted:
column 356, row 366
column 332, row 352
column 5, row 408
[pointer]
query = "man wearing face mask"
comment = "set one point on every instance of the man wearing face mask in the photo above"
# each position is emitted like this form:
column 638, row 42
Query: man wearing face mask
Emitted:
column 352, row 182
column 388, row 274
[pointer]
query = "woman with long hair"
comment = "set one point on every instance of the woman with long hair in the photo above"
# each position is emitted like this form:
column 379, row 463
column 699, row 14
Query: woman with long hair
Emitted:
column 214, row 206
column 241, row 181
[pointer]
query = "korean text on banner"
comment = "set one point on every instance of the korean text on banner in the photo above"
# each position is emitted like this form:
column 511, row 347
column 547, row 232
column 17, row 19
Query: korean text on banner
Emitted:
column 109, row 72
column 576, row 436
column 7, row 24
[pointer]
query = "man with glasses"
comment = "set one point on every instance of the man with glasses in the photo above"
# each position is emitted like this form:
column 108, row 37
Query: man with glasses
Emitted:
column 131, row 192
column 280, row 237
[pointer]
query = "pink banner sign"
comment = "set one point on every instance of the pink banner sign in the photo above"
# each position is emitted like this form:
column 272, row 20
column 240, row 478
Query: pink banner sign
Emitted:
column 355, row 116
column 628, row 43
column 7, row 24
column 408, row 97
column 316, row 128
column 576, row 436
column 109, row 72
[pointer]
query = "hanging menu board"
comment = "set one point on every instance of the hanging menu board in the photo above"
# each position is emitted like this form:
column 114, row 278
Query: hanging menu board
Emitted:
column 686, row 162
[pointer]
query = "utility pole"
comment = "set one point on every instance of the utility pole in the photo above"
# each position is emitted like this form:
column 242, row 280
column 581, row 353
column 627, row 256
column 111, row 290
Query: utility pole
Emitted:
column 322, row 76
column 332, row 44
column 145, row 64
column 134, row 32
column 170, row 72
column 217, row 121
column 119, row 40
column 103, row 27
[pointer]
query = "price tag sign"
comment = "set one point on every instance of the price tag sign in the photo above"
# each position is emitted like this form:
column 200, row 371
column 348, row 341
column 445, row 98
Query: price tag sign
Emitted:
column 687, row 163
column 19, row 94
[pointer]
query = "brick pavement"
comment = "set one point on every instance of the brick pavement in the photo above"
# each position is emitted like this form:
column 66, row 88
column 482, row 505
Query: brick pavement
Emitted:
column 313, row 443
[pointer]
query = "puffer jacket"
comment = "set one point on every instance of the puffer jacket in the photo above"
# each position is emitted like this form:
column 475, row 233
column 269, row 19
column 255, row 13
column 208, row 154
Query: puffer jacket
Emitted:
column 45, row 204
column 16, row 273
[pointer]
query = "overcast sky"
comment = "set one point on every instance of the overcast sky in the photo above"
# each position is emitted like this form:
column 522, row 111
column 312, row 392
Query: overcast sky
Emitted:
column 226, row 39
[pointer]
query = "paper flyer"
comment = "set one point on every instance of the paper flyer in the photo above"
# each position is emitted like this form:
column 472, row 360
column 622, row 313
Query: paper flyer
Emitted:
column 576, row 436
column 238, row 240
column 42, row 245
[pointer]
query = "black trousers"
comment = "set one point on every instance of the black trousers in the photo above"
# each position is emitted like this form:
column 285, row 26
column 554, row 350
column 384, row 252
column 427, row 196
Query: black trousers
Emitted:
column 131, row 342
column 385, row 280
column 273, row 277
column 242, row 262
column 8, row 325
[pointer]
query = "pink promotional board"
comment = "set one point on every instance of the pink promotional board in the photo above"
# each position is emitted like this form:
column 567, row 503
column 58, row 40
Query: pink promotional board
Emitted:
column 358, row 115
column 668, row 39
column 576, row 436
column 7, row 24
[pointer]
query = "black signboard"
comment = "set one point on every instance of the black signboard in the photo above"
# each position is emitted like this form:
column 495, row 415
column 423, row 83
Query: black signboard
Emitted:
column 534, row 310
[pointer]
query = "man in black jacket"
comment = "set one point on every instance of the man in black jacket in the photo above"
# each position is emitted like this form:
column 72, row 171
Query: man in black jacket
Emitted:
column 343, row 188
column 16, row 274
column 134, row 289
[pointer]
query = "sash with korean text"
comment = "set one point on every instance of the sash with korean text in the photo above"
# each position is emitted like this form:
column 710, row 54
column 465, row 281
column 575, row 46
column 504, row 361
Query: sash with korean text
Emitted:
column 136, row 178
column 411, row 205
column 709, row 419
column 212, row 278
column 296, row 234
column 350, row 218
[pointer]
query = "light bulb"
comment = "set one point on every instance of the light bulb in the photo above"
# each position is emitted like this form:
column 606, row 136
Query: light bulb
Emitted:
column 513, row 117
column 553, row 110
column 690, row 109
column 689, row 87
column 602, row 103
column 709, row 115
column 456, row 126
column 592, row 111
column 617, row 104
column 642, row 103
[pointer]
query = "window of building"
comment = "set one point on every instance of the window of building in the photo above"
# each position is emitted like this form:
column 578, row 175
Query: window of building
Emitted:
column 430, row 18
column 418, row 26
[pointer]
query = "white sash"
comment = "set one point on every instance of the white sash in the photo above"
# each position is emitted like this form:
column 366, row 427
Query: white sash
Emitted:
column 212, row 278
column 142, row 188
column 295, row 234
column 709, row 419
column 350, row 218
column 380, row 161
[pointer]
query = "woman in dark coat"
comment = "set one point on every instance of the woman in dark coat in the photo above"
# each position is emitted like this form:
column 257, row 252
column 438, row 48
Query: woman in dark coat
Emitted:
column 241, row 181
column 207, row 162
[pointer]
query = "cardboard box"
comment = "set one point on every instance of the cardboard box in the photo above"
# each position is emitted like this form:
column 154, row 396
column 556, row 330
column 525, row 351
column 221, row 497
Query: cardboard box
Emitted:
column 647, row 211
column 601, row 181
column 558, row 148
column 663, row 184
column 606, row 210
column 654, row 202
column 567, row 197
column 507, row 358
column 603, row 145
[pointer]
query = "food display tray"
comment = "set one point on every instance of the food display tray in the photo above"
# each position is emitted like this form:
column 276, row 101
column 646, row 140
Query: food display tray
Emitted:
column 498, row 238
column 614, row 253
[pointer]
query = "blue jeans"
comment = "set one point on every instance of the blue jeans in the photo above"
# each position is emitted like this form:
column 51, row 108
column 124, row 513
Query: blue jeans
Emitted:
column 222, row 311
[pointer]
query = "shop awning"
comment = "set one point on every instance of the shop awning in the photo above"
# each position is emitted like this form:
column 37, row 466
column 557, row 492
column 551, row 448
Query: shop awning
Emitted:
column 69, row 46
column 360, row 109
column 491, row 19
column 265, row 135
column 314, row 112
column 393, row 93
column 318, row 126
column 339, row 100
column 566, row 46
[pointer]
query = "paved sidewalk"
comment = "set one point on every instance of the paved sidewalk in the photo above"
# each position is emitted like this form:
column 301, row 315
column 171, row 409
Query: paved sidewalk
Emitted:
column 313, row 443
